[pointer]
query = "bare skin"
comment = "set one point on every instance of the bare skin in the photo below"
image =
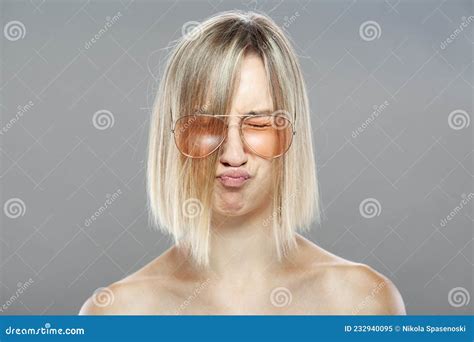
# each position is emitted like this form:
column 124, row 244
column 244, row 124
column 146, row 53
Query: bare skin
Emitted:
column 318, row 283
column 244, row 275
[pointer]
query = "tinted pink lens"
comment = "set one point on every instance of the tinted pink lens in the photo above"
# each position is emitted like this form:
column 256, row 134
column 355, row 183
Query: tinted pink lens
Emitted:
column 199, row 135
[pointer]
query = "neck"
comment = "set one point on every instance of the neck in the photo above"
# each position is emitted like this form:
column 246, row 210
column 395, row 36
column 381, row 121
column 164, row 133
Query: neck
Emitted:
column 242, row 246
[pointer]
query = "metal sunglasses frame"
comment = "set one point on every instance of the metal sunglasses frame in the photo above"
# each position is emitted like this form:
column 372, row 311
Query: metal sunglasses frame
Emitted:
column 244, row 116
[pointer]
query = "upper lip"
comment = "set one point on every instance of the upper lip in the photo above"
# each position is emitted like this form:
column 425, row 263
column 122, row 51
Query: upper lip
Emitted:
column 234, row 174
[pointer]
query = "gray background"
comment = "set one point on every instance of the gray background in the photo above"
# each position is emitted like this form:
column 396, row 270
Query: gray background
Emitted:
column 410, row 159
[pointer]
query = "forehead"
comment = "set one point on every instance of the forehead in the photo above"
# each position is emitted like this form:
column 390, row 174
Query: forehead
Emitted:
column 252, row 92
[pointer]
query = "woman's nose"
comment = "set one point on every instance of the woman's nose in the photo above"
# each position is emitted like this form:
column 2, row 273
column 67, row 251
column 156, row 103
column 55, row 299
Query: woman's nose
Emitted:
column 233, row 149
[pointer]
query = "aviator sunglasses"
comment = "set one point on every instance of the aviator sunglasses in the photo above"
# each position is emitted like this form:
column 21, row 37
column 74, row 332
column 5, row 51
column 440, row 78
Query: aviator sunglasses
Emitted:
column 267, row 135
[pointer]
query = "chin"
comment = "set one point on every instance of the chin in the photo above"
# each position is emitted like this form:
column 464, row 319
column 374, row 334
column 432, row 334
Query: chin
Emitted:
column 229, row 209
column 229, row 205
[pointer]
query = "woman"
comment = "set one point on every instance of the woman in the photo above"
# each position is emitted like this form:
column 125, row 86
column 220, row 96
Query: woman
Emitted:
column 231, row 176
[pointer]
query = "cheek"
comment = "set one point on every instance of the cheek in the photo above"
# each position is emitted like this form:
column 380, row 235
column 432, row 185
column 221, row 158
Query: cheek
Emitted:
column 262, row 183
column 268, row 142
column 263, row 142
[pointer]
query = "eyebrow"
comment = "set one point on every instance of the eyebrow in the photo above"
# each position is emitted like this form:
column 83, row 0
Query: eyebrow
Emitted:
column 251, row 112
column 257, row 112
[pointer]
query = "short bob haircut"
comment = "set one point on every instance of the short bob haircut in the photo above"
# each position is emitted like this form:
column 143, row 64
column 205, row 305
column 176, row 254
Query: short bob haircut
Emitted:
column 200, row 76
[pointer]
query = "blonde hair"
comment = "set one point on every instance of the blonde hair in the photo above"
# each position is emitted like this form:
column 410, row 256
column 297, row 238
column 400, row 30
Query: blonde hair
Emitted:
column 206, row 60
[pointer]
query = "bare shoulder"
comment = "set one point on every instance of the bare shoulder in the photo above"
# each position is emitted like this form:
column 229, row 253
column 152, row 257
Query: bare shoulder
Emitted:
column 352, row 288
column 115, row 299
column 369, row 292
column 147, row 291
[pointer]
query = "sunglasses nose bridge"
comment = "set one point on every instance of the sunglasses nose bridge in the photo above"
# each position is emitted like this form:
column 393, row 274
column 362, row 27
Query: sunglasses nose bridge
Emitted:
column 233, row 138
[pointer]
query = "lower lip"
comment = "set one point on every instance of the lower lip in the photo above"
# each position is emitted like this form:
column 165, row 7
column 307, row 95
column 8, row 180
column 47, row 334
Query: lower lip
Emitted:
column 233, row 182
